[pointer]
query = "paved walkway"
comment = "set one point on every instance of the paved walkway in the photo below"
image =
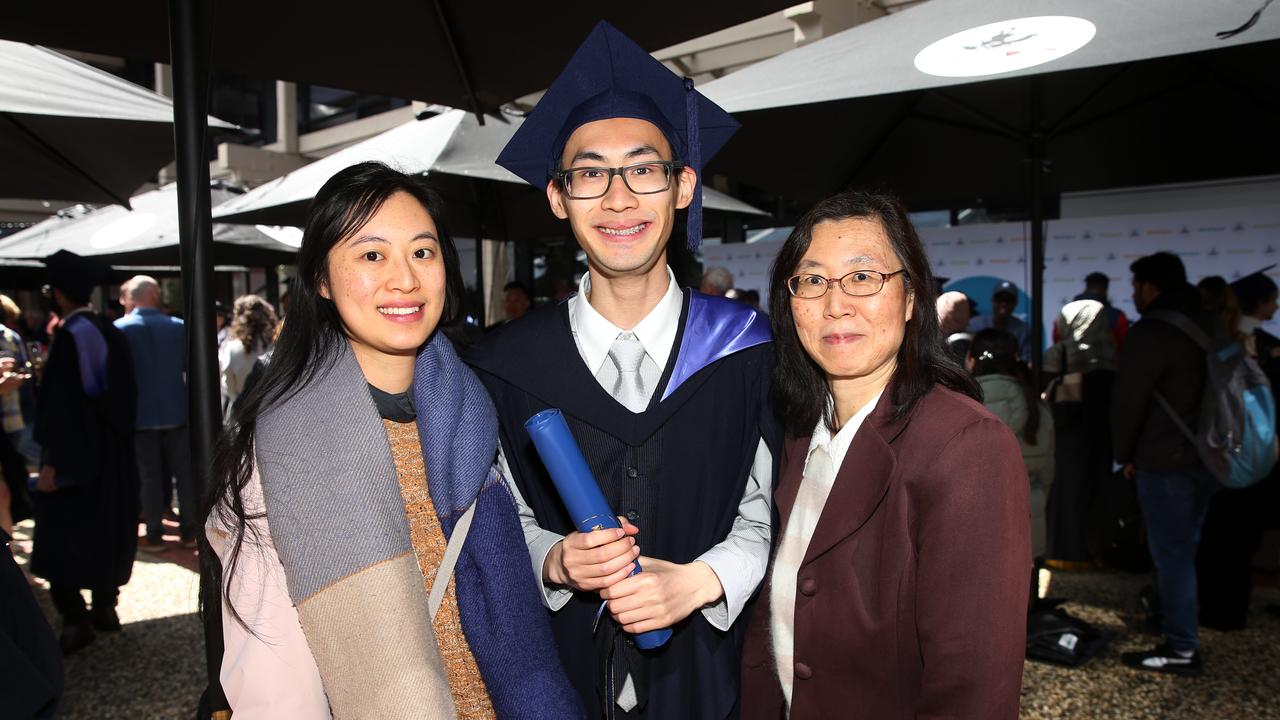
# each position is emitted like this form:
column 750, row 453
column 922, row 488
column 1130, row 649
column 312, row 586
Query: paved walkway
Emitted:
column 155, row 667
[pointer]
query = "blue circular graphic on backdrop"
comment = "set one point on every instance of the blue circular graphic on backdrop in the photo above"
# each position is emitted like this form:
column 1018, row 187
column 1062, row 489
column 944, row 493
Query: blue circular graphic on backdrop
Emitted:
column 979, row 288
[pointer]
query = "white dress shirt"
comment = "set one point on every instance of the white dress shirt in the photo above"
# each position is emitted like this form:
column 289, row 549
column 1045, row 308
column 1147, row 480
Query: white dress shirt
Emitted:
column 739, row 561
column 822, row 463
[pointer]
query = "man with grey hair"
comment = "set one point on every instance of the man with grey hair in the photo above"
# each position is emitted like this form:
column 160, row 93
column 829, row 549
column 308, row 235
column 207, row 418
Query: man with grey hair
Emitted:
column 161, row 440
column 953, row 318
column 716, row 281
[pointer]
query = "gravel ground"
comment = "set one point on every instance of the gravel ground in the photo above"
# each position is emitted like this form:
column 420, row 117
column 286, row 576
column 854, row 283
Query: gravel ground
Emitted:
column 154, row 668
column 1242, row 669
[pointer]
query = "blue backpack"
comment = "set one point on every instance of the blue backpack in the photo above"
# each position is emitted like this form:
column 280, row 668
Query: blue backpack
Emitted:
column 1235, row 433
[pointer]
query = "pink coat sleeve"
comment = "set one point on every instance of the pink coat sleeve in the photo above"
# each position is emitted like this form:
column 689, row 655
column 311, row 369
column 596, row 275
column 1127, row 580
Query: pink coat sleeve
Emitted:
column 269, row 673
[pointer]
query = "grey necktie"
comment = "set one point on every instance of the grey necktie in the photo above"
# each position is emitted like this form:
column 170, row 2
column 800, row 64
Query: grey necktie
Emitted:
column 629, row 388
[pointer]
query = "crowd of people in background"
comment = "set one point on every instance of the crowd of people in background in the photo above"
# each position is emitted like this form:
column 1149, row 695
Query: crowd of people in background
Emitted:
column 99, row 412
column 361, row 449
column 1111, row 436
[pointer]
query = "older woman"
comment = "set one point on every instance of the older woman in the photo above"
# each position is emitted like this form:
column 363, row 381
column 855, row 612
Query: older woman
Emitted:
column 898, row 589
column 344, row 488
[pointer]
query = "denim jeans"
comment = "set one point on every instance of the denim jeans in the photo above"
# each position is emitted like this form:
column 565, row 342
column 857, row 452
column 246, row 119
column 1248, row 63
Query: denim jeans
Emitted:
column 1175, row 503
column 161, row 452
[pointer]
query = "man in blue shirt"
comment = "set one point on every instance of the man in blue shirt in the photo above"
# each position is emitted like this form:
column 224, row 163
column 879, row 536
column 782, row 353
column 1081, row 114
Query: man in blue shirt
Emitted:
column 1003, row 300
column 161, row 441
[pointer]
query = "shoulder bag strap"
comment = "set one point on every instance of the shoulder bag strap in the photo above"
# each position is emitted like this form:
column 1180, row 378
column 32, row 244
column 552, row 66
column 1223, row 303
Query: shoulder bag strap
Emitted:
column 451, row 553
column 1192, row 330
column 1183, row 323
column 1173, row 415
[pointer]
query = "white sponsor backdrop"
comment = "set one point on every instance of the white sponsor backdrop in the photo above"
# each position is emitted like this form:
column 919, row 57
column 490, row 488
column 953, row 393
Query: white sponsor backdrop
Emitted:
column 1230, row 242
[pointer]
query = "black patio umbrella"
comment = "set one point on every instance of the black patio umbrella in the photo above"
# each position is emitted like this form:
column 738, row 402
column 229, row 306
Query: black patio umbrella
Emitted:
column 72, row 132
column 1155, row 94
column 147, row 234
column 1182, row 118
column 470, row 54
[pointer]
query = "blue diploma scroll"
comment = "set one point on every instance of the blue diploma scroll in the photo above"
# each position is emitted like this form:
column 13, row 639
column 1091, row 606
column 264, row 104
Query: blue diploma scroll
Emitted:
column 578, row 489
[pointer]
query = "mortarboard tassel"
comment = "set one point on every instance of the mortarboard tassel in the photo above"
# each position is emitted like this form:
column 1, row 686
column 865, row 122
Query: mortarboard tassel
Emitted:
column 694, row 228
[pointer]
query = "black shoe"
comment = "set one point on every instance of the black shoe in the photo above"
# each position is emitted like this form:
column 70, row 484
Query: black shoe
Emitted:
column 76, row 634
column 105, row 620
column 1164, row 659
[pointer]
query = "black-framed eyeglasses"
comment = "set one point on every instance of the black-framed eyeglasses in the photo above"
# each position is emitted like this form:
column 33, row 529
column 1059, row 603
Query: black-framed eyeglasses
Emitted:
column 646, row 178
column 858, row 283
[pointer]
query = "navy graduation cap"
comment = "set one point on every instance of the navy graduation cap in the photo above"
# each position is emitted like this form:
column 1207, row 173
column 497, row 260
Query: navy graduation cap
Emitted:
column 74, row 274
column 1255, row 287
column 610, row 77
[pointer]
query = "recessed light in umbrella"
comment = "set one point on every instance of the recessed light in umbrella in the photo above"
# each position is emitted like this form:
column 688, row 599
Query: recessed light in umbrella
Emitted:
column 1005, row 46
column 123, row 230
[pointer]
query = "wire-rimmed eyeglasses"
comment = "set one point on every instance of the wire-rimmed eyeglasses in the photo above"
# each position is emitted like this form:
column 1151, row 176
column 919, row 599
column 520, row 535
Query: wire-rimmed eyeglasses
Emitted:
column 858, row 283
column 646, row 178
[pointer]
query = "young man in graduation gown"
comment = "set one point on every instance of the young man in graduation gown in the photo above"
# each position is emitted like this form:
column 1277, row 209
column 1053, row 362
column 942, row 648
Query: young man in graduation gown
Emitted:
column 663, row 389
column 87, row 501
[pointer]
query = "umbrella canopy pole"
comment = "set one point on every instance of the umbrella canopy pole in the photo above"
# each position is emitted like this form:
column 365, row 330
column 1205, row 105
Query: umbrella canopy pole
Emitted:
column 463, row 76
column 189, row 37
column 1036, row 144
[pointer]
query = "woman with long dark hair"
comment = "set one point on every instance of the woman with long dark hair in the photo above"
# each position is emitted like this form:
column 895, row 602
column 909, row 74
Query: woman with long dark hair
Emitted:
column 372, row 561
column 898, row 588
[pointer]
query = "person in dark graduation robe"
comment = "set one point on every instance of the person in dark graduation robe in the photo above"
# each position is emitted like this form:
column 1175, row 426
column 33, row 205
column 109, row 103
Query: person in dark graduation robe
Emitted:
column 86, row 502
column 664, row 390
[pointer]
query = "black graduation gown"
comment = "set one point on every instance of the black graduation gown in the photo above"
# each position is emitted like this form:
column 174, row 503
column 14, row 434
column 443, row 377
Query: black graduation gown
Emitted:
column 87, row 531
column 678, row 471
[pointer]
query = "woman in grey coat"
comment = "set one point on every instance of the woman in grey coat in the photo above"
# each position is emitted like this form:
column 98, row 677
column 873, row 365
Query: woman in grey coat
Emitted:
column 1007, row 392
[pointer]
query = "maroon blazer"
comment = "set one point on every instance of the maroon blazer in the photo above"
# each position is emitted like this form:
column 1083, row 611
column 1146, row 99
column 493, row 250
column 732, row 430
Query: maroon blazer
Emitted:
column 912, row 597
